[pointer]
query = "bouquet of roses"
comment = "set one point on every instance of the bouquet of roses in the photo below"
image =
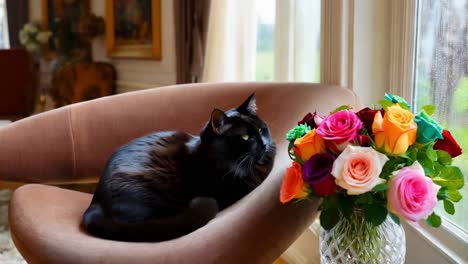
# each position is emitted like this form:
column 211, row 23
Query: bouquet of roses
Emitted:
column 383, row 162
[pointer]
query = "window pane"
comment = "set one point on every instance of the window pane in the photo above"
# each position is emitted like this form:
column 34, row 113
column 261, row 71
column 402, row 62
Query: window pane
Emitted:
column 4, row 41
column 442, row 77
column 265, row 67
column 297, row 53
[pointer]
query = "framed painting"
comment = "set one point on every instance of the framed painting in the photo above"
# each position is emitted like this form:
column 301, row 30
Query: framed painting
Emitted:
column 62, row 18
column 133, row 28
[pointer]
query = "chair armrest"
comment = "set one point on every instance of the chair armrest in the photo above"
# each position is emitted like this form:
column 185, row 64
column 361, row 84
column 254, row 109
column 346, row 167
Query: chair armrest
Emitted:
column 38, row 149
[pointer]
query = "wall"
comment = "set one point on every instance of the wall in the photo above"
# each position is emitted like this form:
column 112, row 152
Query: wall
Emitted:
column 133, row 74
column 371, row 49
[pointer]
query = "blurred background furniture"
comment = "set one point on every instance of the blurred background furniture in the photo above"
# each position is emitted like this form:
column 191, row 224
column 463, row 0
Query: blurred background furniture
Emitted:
column 18, row 84
column 82, row 81
column 71, row 145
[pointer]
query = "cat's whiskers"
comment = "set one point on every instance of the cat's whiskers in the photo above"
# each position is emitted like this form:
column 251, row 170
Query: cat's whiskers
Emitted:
column 243, row 163
column 238, row 164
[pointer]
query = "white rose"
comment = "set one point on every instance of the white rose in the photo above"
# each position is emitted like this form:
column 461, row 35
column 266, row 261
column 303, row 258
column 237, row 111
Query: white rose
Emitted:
column 357, row 169
column 32, row 47
column 23, row 37
column 28, row 27
column 43, row 37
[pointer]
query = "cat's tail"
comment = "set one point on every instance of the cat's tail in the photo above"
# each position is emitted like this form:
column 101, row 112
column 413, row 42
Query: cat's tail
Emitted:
column 199, row 212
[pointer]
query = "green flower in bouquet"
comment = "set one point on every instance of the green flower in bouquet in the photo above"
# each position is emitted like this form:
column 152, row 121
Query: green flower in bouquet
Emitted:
column 395, row 99
column 428, row 129
column 297, row 132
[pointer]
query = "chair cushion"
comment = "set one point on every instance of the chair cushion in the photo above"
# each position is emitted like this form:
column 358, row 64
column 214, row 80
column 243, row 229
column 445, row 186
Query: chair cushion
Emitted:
column 45, row 224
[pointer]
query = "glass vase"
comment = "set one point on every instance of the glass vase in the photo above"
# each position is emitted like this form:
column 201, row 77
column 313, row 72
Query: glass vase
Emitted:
column 353, row 240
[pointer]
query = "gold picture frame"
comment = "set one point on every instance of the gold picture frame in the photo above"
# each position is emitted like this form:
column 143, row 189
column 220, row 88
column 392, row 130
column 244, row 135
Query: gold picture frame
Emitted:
column 129, row 40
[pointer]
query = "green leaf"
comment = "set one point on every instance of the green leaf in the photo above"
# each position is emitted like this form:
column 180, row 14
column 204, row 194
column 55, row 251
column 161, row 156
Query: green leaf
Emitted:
column 427, row 164
column 443, row 157
column 385, row 104
column 450, row 177
column 412, row 154
column 437, row 168
column 434, row 220
column 329, row 218
column 429, row 109
column 290, row 153
column 449, row 207
column 402, row 105
column 365, row 198
column 347, row 207
column 339, row 108
column 431, row 154
column 454, row 195
column 375, row 214
column 390, row 166
column 291, row 144
column 442, row 194
column 380, row 187
column 394, row 217
column 329, row 202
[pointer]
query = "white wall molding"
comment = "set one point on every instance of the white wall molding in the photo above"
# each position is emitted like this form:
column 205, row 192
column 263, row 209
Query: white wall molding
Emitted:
column 402, row 47
column 336, row 42
column 370, row 65
column 447, row 244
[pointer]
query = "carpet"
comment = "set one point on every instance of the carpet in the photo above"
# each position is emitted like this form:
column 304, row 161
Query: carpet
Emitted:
column 8, row 252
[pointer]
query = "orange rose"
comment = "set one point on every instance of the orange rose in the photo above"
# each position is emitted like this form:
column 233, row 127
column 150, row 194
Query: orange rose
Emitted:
column 293, row 186
column 309, row 145
column 396, row 131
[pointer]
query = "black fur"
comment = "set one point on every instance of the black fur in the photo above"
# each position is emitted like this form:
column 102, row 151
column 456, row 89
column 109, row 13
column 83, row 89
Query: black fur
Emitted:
column 167, row 184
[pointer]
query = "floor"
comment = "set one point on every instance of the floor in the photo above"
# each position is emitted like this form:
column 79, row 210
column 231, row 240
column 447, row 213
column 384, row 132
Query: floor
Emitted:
column 8, row 252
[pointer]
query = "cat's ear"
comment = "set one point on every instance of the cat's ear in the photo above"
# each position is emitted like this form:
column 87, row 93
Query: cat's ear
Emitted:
column 250, row 105
column 219, row 121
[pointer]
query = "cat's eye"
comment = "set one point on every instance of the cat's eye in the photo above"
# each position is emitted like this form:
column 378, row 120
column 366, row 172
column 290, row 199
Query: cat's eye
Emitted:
column 260, row 130
column 245, row 137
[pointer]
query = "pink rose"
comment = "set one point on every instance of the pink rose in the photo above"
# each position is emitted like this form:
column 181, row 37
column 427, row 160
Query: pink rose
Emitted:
column 412, row 195
column 339, row 129
column 357, row 169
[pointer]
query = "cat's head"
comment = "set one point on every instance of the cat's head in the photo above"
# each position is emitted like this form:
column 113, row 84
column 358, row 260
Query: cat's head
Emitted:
column 241, row 141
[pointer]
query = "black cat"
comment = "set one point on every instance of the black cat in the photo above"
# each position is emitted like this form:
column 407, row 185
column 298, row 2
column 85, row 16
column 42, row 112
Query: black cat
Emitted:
column 167, row 184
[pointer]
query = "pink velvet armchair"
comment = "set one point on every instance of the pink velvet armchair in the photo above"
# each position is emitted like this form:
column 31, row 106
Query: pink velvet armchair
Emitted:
column 71, row 145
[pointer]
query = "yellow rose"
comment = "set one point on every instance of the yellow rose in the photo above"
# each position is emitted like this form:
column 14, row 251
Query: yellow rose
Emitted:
column 309, row 145
column 396, row 131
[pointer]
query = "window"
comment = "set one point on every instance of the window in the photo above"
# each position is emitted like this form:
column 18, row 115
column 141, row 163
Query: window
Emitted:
column 441, row 77
column 288, row 40
column 264, row 67
column 4, row 39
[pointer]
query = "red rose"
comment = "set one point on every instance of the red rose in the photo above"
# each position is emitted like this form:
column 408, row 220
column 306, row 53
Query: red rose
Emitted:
column 448, row 144
column 310, row 120
column 367, row 115
column 363, row 140
column 325, row 186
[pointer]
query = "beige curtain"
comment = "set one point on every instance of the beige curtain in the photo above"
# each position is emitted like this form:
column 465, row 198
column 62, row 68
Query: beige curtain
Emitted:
column 231, row 44
column 297, row 40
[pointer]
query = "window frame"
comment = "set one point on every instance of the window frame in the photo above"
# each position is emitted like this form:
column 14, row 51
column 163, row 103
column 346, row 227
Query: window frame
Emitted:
column 450, row 240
